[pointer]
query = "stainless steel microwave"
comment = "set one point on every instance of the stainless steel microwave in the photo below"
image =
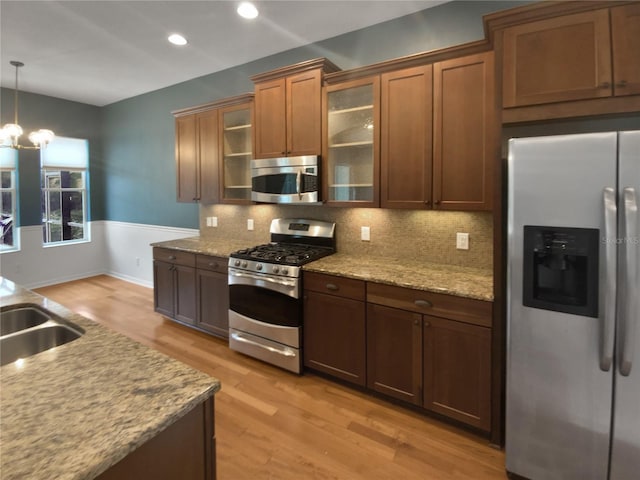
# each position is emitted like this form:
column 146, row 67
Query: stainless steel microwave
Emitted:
column 285, row 179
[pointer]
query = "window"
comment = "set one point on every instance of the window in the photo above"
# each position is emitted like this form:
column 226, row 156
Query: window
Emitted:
column 64, row 190
column 9, row 240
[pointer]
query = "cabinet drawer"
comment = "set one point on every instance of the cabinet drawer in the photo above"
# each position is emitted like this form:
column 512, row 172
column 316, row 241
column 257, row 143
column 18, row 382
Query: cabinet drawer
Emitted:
column 463, row 309
column 333, row 285
column 174, row 256
column 214, row 264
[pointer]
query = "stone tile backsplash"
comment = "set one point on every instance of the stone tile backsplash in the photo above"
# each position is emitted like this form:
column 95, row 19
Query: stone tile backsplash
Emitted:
column 408, row 234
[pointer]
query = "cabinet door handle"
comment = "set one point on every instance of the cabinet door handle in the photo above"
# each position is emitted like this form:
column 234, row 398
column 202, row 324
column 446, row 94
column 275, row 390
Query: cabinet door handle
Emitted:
column 172, row 257
column 416, row 322
column 427, row 324
column 423, row 303
column 621, row 83
column 332, row 286
column 213, row 265
column 427, row 202
column 604, row 85
column 437, row 202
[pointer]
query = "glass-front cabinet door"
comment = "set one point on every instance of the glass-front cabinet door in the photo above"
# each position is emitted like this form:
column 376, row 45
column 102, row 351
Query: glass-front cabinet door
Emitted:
column 352, row 153
column 237, row 152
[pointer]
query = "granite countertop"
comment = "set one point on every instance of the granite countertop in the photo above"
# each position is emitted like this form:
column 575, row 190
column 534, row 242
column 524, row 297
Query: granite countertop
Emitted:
column 460, row 281
column 72, row 412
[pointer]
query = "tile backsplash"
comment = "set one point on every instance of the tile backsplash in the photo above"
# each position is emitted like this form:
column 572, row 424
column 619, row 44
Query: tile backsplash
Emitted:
column 426, row 236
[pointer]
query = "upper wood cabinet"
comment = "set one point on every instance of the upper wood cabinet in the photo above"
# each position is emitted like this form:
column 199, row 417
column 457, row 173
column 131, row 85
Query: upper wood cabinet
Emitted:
column 288, row 113
column 406, row 137
column 197, row 156
column 465, row 133
column 562, row 57
column 351, row 145
column 214, row 145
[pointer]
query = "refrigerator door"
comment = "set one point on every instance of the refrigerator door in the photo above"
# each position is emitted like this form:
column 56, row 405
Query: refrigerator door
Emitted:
column 559, row 400
column 625, row 450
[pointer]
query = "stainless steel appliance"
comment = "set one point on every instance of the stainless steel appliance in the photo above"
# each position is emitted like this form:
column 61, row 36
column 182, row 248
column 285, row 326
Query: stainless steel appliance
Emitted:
column 265, row 290
column 573, row 388
column 285, row 179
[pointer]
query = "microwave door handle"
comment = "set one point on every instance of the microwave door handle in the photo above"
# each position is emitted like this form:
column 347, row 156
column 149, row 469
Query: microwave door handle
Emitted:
column 299, row 184
column 609, row 310
column 630, row 266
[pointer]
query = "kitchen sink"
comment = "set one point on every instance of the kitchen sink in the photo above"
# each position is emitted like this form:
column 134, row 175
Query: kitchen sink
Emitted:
column 28, row 330
column 21, row 318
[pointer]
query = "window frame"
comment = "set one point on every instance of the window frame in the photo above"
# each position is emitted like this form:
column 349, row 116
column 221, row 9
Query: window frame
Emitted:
column 13, row 191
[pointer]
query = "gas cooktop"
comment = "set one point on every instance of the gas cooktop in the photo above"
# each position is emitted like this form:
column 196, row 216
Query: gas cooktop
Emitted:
column 283, row 253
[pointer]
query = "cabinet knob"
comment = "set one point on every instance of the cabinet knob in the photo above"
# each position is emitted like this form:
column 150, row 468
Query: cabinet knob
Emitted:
column 172, row 257
column 332, row 286
column 427, row 202
column 427, row 324
column 416, row 322
column 423, row 303
column 621, row 83
column 213, row 265
column 604, row 85
column 437, row 202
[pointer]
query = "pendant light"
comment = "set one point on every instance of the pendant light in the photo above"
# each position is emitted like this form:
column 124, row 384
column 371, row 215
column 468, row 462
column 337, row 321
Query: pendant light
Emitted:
column 10, row 133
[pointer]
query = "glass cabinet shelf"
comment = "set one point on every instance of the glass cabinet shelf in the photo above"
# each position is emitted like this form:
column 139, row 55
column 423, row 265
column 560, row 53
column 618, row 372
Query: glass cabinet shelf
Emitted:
column 237, row 151
column 351, row 144
column 239, row 154
column 350, row 110
column 237, row 127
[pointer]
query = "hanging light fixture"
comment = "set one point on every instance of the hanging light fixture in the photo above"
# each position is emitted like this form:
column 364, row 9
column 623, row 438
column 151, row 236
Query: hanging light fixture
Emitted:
column 10, row 133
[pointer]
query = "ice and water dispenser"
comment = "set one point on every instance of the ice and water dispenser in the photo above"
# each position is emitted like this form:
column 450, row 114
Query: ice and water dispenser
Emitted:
column 561, row 269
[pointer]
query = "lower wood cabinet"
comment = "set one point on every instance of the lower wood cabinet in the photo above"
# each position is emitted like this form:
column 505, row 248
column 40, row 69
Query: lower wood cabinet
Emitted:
column 334, row 327
column 192, row 289
column 184, row 450
column 427, row 349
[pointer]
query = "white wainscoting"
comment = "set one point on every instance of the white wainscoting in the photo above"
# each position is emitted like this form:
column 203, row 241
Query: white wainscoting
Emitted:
column 116, row 248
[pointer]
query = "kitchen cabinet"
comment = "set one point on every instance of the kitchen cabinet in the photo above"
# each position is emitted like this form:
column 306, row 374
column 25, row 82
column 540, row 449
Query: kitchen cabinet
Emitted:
column 394, row 353
column 196, row 154
column 465, row 133
column 432, row 350
column 174, row 279
column 185, row 450
column 351, row 146
column 334, row 326
column 406, row 137
column 236, row 152
column 288, row 113
column 439, row 136
column 212, row 295
column 588, row 55
column 214, row 148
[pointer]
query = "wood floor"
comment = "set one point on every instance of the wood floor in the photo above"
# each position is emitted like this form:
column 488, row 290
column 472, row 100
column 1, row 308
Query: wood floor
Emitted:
column 271, row 424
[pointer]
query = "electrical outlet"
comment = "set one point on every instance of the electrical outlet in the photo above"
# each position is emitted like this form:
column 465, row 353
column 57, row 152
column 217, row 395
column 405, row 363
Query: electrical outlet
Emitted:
column 365, row 234
column 250, row 224
column 214, row 221
column 208, row 221
column 462, row 241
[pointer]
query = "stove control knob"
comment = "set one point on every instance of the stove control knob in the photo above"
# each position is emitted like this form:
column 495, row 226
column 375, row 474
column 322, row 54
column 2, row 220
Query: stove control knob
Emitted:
column 244, row 264
column 237, row 263
column 285, row 271
column 259, row 266
column 276, row 269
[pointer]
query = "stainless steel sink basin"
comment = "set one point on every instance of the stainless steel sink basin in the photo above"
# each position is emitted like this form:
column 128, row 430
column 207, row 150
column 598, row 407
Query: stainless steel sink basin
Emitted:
column 20, row 318
column 26, row 330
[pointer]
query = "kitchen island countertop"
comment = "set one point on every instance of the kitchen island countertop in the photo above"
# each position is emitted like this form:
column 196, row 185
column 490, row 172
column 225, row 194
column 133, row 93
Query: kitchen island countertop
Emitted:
column 74, row 411
column 410, row 273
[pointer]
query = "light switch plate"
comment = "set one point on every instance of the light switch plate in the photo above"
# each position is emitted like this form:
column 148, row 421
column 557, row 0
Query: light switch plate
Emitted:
column 214, row 221
column 462, row 241
column 365, row 234
column 208, row 221
column 249, row 223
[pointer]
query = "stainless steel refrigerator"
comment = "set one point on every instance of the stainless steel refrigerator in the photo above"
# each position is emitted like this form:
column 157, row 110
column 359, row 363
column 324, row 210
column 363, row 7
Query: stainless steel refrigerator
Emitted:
column 573, row 383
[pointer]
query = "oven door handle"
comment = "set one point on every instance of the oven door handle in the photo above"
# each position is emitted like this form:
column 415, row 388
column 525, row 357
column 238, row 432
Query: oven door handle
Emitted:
column 287, row 352
column 263, row 278
column 299, row 183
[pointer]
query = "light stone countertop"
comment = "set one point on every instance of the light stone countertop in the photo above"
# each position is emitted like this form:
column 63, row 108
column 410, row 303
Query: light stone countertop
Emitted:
column 72, row 412
column 460, row 281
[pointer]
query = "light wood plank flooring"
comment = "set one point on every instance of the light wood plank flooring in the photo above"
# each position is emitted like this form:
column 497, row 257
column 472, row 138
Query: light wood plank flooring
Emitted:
column 271, row 424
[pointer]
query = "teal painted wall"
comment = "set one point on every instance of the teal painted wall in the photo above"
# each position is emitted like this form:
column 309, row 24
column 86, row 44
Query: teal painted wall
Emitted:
column 66, row 119
column 132, row 169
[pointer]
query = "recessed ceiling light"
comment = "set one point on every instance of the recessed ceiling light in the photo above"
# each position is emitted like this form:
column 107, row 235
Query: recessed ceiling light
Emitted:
column 177, row 39
column 247, row 10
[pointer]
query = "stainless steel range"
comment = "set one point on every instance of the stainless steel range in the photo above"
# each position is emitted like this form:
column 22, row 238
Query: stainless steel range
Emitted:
column 265, row 290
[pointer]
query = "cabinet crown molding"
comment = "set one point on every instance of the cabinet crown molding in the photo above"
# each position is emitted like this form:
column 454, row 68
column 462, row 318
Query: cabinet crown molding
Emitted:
column 326, row 65
column 225, row 102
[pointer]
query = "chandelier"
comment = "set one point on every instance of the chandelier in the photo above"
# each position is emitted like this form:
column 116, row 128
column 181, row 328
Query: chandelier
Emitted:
column 10, row 133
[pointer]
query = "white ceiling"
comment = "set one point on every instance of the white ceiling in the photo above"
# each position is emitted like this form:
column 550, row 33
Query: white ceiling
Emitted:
column 100, row 52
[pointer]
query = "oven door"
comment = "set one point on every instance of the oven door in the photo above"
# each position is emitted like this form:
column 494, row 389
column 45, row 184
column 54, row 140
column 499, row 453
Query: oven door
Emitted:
column 285, row 180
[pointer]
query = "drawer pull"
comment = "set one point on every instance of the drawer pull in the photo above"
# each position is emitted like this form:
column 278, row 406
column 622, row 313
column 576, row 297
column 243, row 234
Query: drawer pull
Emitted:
column 427, row 324
column 172, row 257
column 423, row 303
column 213, row 265
column 604, row 85
column 621, row 83
column 332, row 286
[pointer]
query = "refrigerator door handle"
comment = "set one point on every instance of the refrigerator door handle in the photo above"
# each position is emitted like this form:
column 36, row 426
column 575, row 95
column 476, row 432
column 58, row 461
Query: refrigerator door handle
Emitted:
column 630, row 265
column 608, row 330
